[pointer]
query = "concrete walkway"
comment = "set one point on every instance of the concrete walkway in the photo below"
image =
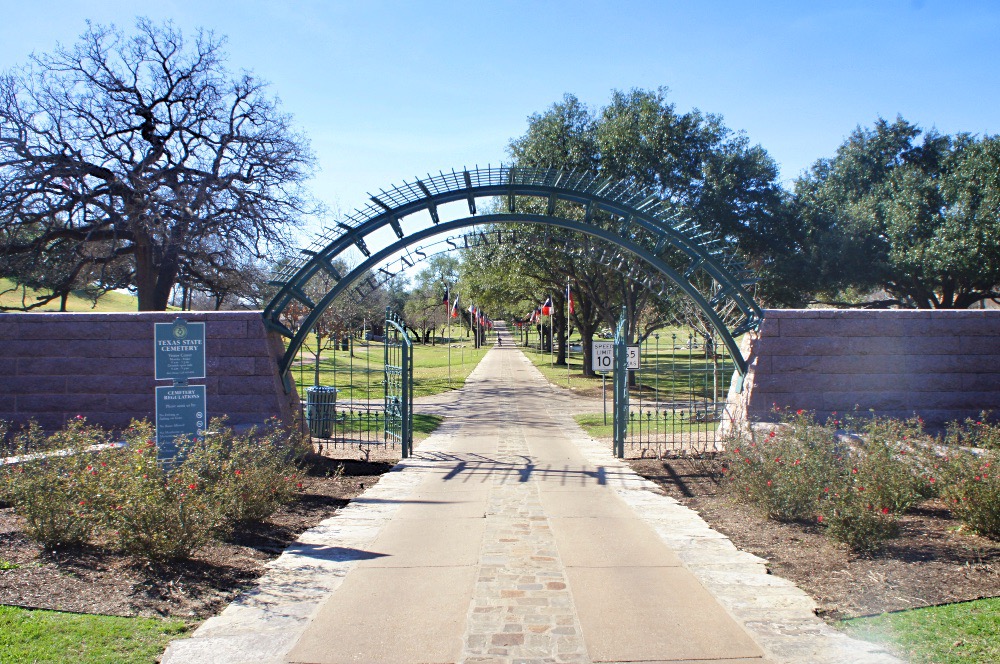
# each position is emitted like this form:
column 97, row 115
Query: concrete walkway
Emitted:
column 513, row 537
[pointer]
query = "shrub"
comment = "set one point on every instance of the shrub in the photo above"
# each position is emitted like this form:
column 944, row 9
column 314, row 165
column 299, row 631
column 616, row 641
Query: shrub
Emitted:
column 780, row 471
column 149, row 510
column 973, row 490
column 153, row 512
column 253, row 473
column 54, row 493
column 218, row 481
column 858, row 523
column 978, row 432
column 855, row 487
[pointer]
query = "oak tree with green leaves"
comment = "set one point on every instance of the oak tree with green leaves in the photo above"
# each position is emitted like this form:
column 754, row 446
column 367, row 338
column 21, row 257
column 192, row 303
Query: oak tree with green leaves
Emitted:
column 913, row 213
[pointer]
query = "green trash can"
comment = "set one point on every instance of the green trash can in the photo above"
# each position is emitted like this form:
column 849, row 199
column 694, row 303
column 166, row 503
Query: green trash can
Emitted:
column 321, row 410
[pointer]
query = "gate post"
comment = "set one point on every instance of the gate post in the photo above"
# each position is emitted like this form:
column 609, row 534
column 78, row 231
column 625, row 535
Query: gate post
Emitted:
column 620, row 390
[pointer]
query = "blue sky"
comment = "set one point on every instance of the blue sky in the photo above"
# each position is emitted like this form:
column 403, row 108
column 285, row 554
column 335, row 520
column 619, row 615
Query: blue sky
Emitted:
column 388, row 91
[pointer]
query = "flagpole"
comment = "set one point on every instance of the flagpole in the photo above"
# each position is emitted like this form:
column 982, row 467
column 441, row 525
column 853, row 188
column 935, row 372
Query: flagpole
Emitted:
column 447, row 315
column 569, row 301
column 552, row 334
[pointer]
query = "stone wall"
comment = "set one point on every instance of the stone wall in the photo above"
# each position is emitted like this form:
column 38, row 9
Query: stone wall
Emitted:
column 941, row 365
column 56, row 366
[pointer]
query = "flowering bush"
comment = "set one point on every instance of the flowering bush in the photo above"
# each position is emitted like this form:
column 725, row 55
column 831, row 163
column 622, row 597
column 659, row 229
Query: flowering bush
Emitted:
column 780, row 471
column 253, row 473
column 55, row 492
column 855, row 487
column 974, row 492
column 147, row 509
column 978, row 432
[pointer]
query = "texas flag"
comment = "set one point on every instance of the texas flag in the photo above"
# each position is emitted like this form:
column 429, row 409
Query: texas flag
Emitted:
column 569, row 299
column 547, row 307
column 454, row 308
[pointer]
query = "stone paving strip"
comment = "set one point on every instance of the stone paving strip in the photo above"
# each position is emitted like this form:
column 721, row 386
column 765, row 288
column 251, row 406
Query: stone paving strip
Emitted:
column 522, row 609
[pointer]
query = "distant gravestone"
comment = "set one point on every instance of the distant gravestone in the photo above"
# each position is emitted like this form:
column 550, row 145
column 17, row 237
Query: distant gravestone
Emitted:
column 179, row 355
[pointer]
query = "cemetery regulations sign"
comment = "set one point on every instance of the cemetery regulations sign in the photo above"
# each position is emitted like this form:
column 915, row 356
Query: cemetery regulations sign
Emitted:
column 179, row 355
column 180, row 411
column 179, row 350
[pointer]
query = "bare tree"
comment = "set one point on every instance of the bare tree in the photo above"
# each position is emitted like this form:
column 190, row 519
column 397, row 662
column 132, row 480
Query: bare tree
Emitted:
column 144, row 150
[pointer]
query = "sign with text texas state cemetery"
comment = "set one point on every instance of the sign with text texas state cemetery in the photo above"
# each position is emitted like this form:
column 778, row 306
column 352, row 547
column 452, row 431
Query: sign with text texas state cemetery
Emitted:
column 179, row 349
column 179, row 352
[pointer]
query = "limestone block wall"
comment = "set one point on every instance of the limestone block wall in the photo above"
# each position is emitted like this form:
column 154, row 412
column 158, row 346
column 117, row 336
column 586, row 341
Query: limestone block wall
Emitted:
column 59, row 365
column 941, row 365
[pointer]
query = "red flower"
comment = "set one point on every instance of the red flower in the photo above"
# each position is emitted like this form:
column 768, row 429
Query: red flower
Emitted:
column 860, row 489
column 83, row 502
column 819, row 518
column 769, row 482
column 854, row 471
column 799, row 411
column 299, row 485
column 885, row 510
column 192, row 486
column 239, row 472
column 932, row 480
column 771, row 435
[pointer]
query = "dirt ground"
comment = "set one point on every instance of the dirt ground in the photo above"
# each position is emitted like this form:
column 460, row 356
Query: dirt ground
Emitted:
column 933, row 561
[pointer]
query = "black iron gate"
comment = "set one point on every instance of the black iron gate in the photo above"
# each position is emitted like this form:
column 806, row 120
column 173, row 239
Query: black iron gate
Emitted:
column 398, row 384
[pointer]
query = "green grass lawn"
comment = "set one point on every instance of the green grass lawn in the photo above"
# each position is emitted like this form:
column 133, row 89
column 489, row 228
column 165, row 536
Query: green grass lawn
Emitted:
column 51, row 636
column 109, row 302
column 669, row 371
column 593, row 424
column 359, row 377
column 965, row 633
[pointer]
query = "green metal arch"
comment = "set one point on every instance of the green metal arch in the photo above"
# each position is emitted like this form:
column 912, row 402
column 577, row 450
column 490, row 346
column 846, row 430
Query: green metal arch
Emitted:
column 638, row 218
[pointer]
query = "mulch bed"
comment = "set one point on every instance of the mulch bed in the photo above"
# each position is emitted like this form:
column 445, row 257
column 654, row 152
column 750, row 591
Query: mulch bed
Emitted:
column 933, row 561
column 97, row 580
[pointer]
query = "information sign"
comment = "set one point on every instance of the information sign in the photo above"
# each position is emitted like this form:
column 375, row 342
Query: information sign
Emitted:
column 180, row 411
column 179, row 350
column 602, row 357
column 633, row 358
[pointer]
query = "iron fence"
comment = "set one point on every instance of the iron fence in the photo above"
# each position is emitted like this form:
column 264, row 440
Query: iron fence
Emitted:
column 677, row 397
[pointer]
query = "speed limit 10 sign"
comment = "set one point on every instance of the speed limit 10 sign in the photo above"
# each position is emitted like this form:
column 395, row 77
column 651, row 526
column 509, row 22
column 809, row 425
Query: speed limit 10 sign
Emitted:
column 603, row 356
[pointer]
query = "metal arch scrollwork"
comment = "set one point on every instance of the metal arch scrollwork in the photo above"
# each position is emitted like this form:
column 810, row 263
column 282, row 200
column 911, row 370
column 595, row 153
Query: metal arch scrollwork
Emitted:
column 633, row 212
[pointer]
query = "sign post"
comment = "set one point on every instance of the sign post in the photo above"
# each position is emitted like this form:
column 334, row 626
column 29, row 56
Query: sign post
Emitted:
column 179, row 355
